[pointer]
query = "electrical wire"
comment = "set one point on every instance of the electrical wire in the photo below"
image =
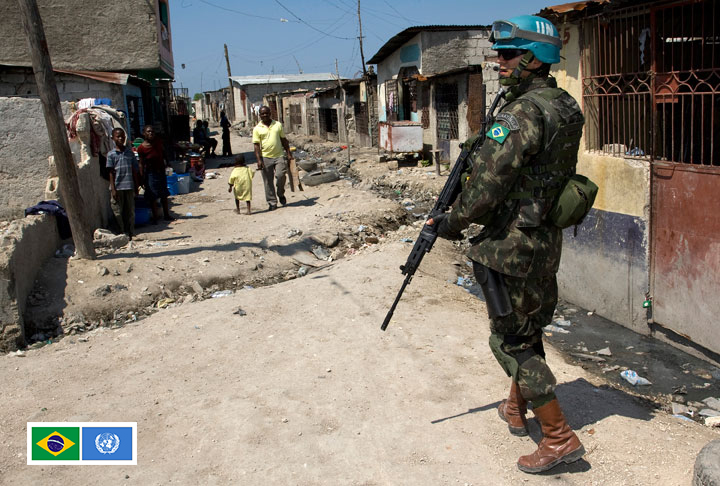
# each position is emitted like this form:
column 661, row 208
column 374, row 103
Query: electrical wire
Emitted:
column 309, row 25
column 244, row 13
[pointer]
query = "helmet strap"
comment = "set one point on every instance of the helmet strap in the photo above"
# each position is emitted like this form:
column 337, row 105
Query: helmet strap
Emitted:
column 515, row 78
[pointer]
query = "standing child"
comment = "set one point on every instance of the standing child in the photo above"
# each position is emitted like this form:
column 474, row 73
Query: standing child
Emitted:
column 124, row 181
column 241, row 181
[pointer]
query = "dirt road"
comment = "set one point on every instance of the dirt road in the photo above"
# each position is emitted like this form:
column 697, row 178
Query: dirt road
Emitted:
column 305, row 388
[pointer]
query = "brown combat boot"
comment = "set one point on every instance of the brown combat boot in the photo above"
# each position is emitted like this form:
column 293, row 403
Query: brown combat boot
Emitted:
column 559, row 442
column 513, row 411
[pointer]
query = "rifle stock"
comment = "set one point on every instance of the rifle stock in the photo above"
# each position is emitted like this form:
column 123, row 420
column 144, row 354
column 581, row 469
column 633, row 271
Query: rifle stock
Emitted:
column 450, row 191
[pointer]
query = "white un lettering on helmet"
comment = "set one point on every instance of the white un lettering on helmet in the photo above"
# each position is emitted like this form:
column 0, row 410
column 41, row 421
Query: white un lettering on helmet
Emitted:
column 544, row 28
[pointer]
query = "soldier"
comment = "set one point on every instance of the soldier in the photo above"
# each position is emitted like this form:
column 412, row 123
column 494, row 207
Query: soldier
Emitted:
column 529, row 153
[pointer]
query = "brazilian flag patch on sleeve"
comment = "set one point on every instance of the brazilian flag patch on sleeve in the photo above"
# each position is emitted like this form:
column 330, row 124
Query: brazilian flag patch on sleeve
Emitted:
column 498, row 133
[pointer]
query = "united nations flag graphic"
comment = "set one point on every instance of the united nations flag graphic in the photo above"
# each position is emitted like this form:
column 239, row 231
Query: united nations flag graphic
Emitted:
column 107, row 443
column 55, row 443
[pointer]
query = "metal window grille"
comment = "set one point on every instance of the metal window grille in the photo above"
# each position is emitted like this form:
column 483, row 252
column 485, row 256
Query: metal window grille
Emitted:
column 295, row 117
column 446, row 106
column 391, row 100
column 651, row 79
column 361, row 117
column 425, row 101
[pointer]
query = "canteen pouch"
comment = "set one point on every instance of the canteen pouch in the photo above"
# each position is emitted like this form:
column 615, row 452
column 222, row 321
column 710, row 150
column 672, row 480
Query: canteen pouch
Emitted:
column 574, row 202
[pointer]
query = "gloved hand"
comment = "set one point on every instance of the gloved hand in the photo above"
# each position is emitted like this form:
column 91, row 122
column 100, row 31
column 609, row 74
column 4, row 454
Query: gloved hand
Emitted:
column 442, row 226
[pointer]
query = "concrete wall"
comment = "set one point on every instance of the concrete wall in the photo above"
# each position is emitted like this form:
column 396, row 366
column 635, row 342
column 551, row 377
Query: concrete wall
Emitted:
column 254, row 93
column 606, row 267
column 102, row 35
column 20, row 81
column 25, row 244
column 445, row 51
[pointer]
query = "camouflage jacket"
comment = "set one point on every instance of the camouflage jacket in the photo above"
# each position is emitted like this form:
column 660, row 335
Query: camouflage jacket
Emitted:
column 516, row 141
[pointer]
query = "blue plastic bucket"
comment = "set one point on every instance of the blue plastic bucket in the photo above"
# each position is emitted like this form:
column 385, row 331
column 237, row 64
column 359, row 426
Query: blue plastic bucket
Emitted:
column 172, row 185
column 142, row 215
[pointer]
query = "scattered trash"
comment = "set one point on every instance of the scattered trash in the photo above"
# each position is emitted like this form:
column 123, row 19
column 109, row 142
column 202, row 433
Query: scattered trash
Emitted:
column 188, row 215
column 610, row 368
column 635, row 152
column 683, row 417
column 19, row 353
column 464, row 282
column 66, row 251
column 336, row 149
column 591, row 313
column 372, row 240
column 407, row 240
column 302, row 271
column 221, row 293
column 361, row 228
column 248, row 287
column 163, row 303
column 603, row 352
column 556, row 329
column 294, row 232
column 633, row 378
column 562, row 322
column 240, row 312
column 211, row 175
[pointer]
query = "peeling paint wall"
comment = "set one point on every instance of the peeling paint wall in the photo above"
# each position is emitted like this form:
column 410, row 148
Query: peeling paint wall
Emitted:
column 606, row 267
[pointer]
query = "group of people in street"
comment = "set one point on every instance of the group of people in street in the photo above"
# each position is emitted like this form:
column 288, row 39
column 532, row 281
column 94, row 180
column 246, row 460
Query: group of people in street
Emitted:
column 203, row 137
column 127, row 174
column 528, row 154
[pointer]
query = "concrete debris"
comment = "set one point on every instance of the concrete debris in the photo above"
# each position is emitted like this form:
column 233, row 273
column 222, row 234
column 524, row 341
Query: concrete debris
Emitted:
column 320, row 253
column 604, row 352
column 66, row 251
column 712, row 402
column 589, row 357
column 328, row 240
column 18, row 354
column 708, row 412
column 107, row 289
column 712, row 421
column 240, row 312
column 680, row 409
column 102, row 271
column 103, row 238
column 129, row 268
column 197, row 288
column 607, row 369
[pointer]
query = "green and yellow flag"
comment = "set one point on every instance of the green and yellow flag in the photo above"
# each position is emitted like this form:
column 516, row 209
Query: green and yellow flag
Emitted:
column 55, row 443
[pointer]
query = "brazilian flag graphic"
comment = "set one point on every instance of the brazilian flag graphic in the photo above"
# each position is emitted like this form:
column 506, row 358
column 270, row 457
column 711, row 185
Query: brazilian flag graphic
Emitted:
column 55, row 443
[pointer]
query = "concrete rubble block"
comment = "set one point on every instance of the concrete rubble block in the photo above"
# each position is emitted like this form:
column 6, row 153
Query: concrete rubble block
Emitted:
column 326, row 239
column 103, row 238
column 392, row 164
column 712, row 402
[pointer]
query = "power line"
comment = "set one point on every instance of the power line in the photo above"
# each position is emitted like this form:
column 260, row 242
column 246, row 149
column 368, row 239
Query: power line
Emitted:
column 311, row 26
column 244, row 13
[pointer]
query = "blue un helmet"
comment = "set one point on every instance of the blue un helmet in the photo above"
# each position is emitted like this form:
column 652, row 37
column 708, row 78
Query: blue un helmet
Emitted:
column 536, row 34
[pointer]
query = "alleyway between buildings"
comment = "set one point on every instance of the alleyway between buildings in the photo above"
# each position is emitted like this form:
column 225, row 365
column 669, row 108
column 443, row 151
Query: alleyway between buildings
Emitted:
column 248, row 350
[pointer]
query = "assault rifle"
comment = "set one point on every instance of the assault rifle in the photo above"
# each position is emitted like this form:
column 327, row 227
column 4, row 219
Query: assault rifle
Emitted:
column 449, row 193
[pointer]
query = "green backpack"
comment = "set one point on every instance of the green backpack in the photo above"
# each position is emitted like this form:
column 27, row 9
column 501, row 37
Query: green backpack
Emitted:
column 574, row 201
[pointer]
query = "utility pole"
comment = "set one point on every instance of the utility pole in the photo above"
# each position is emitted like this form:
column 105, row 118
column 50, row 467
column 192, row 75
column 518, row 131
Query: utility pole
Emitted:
column 362, row 56
column 343, row 106
column 67, row 171
column 231, row 112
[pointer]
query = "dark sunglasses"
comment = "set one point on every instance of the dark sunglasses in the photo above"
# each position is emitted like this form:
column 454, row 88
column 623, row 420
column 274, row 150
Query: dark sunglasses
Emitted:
column 508, row 54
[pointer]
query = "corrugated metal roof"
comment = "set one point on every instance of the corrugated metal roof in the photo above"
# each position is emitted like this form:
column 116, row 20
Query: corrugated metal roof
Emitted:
column 114, row 78
column 573, row 6
column 282, row 78
column 391, row 46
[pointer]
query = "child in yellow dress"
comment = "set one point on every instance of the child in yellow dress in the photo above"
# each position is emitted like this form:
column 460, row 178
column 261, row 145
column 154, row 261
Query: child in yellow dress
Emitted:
column 241, row 182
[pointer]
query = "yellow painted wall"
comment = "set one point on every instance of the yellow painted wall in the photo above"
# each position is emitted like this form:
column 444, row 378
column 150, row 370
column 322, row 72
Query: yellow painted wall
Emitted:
column 623, row 183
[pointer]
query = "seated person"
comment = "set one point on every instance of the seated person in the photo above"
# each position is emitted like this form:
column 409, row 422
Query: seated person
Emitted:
column 200, row 137
column 212, row 141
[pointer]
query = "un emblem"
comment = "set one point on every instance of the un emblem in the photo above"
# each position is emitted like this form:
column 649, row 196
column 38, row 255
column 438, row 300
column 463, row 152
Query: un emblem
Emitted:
column 107, row 443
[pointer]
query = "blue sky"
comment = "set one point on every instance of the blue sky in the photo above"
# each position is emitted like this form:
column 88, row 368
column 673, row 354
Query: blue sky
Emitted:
column 275, row 36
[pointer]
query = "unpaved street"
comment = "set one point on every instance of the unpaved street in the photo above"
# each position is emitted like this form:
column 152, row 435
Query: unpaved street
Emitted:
column 301, row 386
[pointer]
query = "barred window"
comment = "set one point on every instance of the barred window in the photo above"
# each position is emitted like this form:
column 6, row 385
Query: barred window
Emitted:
column 446, row 106
column 391, row 100
column 651, row 80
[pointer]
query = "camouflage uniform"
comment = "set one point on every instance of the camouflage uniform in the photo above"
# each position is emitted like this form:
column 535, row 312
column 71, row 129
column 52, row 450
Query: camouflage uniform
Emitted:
column 515, row 175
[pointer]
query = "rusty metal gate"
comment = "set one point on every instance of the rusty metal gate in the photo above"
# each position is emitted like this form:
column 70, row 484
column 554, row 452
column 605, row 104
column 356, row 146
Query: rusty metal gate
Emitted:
column 651, row 91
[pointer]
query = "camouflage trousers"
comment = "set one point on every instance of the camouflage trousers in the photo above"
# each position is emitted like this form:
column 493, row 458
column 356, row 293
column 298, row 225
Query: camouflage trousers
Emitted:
column 516, row 339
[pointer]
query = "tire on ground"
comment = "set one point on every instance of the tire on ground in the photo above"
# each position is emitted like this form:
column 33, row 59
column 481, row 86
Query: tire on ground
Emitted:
column 316, row 178
column 707, row 465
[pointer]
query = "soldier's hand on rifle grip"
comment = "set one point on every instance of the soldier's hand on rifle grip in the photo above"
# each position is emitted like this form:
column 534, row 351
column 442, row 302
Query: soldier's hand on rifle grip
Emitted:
column 441, row 224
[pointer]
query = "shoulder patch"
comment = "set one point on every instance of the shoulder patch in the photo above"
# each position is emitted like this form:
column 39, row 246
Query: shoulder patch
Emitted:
column 510, row 120
column 498, row 133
